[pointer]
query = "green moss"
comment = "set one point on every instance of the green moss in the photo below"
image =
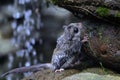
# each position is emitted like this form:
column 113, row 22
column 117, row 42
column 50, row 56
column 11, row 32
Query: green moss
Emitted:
column 102, row 11
column 117, row 14
column 54, row 1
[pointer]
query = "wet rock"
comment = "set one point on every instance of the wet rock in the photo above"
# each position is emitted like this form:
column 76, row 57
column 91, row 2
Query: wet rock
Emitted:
column 100, row 71
column 72, row 74
column 104, row 44
column 91, row 76
column 106, row 10
column 50, row 75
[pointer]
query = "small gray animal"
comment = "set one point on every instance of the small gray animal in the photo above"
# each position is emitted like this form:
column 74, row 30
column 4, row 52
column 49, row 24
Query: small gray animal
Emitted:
column 67, row 53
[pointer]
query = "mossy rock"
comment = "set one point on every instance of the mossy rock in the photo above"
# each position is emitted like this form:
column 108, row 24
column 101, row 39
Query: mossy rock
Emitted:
column 103, row 12
column 91, row 76
column 51, row 75
column 104, row 45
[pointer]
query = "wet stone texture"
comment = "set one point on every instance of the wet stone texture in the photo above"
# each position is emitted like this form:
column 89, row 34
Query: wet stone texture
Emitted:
column 50, row 75
column 104, row 43
column 72, row 74
column 91, row 76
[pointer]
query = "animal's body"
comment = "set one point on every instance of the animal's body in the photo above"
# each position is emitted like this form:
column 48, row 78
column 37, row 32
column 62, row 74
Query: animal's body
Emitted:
column 67, row 53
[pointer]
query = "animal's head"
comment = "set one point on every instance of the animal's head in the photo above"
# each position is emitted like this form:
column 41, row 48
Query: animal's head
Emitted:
column 74, row 31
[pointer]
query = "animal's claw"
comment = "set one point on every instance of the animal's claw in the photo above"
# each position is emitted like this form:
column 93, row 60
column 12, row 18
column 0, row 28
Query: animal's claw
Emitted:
column 59, row 70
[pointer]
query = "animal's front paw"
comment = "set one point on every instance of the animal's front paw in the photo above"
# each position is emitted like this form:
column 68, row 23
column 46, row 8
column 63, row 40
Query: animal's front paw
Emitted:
column 85, row 38
column 59, row 70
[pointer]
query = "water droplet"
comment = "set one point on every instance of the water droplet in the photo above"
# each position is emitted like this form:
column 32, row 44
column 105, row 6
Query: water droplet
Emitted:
column 11, row 58
column 19, row 28
column 16, row 15
column 27, row 32
column 26, row 53
column 27, row 64
column 14, row 25
column 30, row 48
column 32, row 21
column 20, row 53
column 32, row 40
column 27, row 44
column 27, row 14
column 34, row 53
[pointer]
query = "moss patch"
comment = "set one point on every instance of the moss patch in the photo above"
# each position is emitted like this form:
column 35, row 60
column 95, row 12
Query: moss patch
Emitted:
column 54, row 1
column 91, row 76
column 117, row 14
column 102, row 11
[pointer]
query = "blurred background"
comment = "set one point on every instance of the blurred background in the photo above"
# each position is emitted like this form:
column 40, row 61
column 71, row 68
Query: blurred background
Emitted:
column 28, row 33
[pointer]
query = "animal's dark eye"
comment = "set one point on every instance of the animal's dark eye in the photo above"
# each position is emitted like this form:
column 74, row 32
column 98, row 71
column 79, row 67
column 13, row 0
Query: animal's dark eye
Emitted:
column 69, row 27
column 75, row 30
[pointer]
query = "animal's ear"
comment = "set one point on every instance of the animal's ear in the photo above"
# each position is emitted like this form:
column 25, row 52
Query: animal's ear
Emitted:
column 64, row 26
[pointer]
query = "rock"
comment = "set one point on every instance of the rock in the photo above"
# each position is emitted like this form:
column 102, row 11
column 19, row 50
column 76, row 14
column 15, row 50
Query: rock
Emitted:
column 91, row 76
column 106, row 10
column 100, row 71
column 104, row 44
column 50, row 75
